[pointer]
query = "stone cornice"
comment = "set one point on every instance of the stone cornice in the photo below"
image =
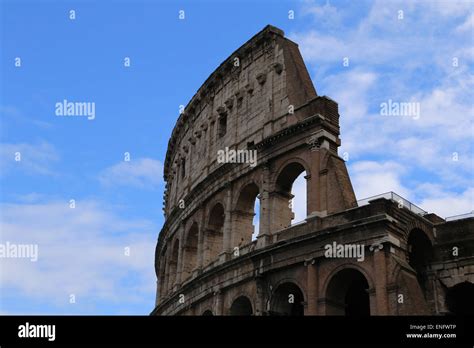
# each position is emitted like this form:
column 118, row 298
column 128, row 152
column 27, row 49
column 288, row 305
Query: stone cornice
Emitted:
column 207, row 91
column 203, row 186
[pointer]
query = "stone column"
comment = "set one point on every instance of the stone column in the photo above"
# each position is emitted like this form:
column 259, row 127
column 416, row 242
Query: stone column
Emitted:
column 160, row 292
column 241, row 226
column 158, row 285
column 208, row 129
column 179, row 264
column 260, row 297
column 185, row 266
column 312, row 288
column 202, row 228
column 190, row 175
column 281, row 214
column 219, row 310
column 228, row 220
column 315, row 191
column 263, row 238
column 176, row 190
column 380, row 270
column 166, row 281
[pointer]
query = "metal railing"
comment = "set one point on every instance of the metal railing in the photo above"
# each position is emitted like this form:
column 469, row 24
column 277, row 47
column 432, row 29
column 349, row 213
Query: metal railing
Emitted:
column 459, row 217
column 402, row 202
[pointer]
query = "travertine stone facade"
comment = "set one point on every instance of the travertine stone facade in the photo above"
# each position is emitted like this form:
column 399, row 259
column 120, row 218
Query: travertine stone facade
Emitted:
column 261, row 99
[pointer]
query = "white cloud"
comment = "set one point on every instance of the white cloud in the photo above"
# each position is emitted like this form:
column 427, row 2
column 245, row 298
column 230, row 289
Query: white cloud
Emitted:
column 299, row 201
column 407, row 60
column 31, row 197
column 140, row 173
column 371, row 178
column 34, row 158
column 447, row 204
column 468, row 25
column 320, row 47
column 452, row 8
column 325, row 14
column 352, row 100
column 81, row 251
column 15, row 114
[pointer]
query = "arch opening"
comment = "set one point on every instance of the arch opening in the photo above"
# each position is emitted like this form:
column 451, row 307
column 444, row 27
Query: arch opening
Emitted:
column 256, row 219
column 207, row 313
column 214, row 236
column 190, row 251
column 460, row 299
column 173, row 264
column 299, row 201
column 290, row 196
column 347, row 294
column 420, row 253
column 245, row 217
column 241, row 306
column 287, row 300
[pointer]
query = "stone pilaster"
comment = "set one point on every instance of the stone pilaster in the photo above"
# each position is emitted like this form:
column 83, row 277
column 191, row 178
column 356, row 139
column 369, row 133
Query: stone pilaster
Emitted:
column 312, row 288
column 380, row 270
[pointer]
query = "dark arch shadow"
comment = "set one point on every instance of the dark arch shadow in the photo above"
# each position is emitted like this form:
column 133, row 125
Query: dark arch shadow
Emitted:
column 460, row 299
column 241, row 306
column 347, row 294
column 287, row 300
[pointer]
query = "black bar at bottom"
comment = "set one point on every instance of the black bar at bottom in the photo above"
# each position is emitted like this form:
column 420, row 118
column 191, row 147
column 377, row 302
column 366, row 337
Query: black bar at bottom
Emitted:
column 141, row 330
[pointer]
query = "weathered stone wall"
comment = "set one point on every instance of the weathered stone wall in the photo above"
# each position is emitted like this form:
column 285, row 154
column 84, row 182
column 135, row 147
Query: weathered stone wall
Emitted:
column 252, row 91
column 297, row 257
column 206, row 260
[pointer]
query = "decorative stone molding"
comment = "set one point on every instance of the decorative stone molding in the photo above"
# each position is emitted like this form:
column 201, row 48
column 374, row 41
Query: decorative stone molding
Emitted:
column 261, row 78
column 249, row 88
column 221, row 111
column 229, row 103
column 278, row 67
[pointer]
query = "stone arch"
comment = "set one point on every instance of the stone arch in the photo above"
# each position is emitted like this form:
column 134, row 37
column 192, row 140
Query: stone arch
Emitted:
column 253, row 178
column 173, row 264
column 346, row 291
column 282, row 191
column 207, row 312
column 214, row 233
column 418, row 225
column 357, row 267
column 287, row 299
column 460, row 300
column 419, row 254
column 393, row 274
column 190, row 250
column 290, row 280
column 347, row 294
column 293, row 159
column 243, row 215
column 241, row 306
column 162, row 276
column 407, row 294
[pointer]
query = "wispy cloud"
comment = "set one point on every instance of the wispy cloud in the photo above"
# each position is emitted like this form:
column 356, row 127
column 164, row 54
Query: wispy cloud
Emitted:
column 144, row 173
column 15, row 114
column 81, row 252
column 28, row 158
column 420, row 52
column 467, row 26
column 371, row 178
column 447, row 203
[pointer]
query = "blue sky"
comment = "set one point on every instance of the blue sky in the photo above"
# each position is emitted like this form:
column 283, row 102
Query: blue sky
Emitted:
column 428, row 160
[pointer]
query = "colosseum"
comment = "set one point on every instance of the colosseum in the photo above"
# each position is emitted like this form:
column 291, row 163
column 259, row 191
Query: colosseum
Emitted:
column 379, row 256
